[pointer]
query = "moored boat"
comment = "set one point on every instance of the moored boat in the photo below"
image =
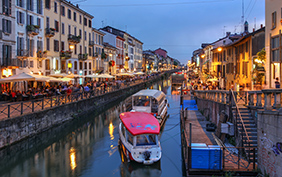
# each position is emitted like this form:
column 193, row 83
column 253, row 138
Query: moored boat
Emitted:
column 151, row 101
column 139, row 139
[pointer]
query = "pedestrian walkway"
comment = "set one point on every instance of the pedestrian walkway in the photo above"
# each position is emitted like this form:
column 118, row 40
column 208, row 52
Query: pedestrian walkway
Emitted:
column 198, row 121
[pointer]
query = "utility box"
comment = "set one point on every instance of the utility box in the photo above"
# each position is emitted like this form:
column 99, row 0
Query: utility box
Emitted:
column 227, row 128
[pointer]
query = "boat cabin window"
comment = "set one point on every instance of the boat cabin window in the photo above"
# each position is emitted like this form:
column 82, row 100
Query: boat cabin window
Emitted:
column 123, row 130
column 141, row 101
column 154, row 108
column 129, row 138
column 142, row 140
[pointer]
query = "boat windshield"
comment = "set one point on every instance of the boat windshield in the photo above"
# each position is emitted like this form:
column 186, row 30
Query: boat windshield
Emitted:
column 141, row 101
column 142, row 140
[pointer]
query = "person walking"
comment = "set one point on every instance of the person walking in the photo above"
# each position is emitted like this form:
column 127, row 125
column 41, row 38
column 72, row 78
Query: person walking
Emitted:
column 277, row 83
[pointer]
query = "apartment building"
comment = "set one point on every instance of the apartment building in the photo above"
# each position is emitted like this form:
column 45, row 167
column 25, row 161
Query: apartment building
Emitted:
column 98, row 38
column 273, row 45
column 138, row 48
column 68, row 32
column 8, row 49
column 29, row 35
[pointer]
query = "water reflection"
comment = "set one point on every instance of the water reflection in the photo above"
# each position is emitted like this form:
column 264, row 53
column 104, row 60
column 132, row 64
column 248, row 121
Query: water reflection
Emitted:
column 84, row 147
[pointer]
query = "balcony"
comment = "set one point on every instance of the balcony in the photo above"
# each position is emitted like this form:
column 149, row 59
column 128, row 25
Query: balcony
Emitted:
column 64, row 55
column 41, row 54
column 91, row 43
column 32, row 29
column 11, row 63
column 74, row 39
column 50, row 32
column 83, row 56
column 22, row 54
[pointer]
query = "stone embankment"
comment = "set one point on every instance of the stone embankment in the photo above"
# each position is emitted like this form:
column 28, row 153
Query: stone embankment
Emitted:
column 19, row 128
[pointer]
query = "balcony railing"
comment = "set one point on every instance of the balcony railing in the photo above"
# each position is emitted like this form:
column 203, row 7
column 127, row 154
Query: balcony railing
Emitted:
column 41, row 54
column 32, row 29
column 10, row 62
column 91, row 43
column 22, row 53
column 83, row 56
column 65, row 54
column 50, row 32
column 74, row 39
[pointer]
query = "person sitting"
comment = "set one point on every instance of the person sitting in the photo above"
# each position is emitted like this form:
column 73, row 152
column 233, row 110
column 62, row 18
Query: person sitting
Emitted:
column 14, row 95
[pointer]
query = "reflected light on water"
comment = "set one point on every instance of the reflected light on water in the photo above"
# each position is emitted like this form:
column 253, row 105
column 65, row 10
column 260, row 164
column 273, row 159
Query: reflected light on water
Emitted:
column 72, row 158
column 111, row 130
column 160, row 88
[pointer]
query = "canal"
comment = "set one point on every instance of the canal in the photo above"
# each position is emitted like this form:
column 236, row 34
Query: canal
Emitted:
column 88, row 146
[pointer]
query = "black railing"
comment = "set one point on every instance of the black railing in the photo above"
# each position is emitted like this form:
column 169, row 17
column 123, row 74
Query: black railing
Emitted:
column 50, row 32
column 83, row 56
column 38, row 103
column 91, row 43
column 32, row 29
column 74, row 39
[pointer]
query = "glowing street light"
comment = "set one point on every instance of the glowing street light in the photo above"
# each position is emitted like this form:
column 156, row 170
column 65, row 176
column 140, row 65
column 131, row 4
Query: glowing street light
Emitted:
column 219, row 49
column 71, row 47
column 203, row 56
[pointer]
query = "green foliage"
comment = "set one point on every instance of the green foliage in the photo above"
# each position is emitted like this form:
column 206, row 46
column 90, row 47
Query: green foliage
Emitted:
column 261, row 55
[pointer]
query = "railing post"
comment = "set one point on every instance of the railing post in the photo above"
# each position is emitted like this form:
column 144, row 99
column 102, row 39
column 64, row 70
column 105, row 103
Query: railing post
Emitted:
column 21, row 108
column 267, row 98
column 51, row 101
column 8, row 111
column 259, row 103
column 32, row 103
column 222, row 97
column 42, row 103
column 277, row 99
column 251, row 98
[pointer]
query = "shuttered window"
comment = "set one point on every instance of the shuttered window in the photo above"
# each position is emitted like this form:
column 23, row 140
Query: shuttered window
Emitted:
column 6, row 26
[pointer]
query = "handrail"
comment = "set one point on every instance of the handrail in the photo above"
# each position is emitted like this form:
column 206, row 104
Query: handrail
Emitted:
column 240, row 117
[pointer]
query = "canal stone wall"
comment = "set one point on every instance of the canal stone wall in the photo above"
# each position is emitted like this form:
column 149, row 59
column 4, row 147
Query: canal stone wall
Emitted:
column 270, row 142
column 212, row 109
column 19, row 128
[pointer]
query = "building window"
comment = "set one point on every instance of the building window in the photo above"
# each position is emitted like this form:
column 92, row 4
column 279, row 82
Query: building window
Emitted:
column 39, row 22
column 274, row 20
column 89, row 51
column 74, row 31
column 39, row 6
column 80, row 49
column 47, row 64
column 20, row 3
column 75, row 49
column 55, row 6
column 63, row 45
column 85, row 21
column 31, row 63
column 63, row 28
column 20, row 17
column 80, row 65
column 48, row 44
column 90, row 23
column 85, row 65
column 80, row 32
column 275, row 49
column 56, row 45
column 7, row 26
column 30, row 5
column 85, row 36
column 80, row 19
column 7, row 7
column 69, row 29
column 74, row 16
column 7, row 55
column 57, row 26
column 75, row 65
column 69, row 13
column 89, row 66
column 47, row 4
column 47, row 22
column 63, row 10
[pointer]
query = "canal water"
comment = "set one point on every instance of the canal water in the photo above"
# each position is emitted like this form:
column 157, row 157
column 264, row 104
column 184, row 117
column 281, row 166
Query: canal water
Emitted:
column 90, row 147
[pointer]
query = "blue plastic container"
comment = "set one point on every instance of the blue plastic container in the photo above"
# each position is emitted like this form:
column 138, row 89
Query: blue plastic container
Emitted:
column 200, row 156
column 215, row 157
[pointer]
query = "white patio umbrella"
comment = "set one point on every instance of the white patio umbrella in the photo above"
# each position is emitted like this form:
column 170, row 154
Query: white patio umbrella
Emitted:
column 93, row 76
column 125, row 74
column 74, row 76
column 18, row 77
column 58, row 75
column 139, row 73
column 105, row 76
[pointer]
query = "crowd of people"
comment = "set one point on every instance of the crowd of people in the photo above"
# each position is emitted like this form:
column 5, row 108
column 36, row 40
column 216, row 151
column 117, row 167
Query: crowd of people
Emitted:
column 102, row 85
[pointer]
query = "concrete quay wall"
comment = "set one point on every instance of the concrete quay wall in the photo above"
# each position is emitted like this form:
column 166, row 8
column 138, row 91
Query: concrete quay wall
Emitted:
column 270, row 142
column 212, row 109
column 19, row 128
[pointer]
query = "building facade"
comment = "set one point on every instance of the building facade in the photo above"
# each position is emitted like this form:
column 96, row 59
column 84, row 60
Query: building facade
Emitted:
column 8, row 61
column 98, row 38
column 68, row 33
column 273, row 44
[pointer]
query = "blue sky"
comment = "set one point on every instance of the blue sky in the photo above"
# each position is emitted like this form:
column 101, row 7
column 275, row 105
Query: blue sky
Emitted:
column 178, row 26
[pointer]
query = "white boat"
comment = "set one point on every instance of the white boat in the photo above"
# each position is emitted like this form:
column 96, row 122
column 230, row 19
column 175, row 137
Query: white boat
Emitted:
column 151, row 101
column 139, row 140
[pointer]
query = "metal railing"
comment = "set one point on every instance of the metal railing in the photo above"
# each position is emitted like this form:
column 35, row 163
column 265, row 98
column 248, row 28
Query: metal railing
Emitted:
column 8, row 110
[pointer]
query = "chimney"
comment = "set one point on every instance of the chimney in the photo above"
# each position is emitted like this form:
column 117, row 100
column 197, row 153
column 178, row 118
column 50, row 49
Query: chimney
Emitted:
column 77, row 6
column 261, row 25
column 254, row 29
column 228, row 33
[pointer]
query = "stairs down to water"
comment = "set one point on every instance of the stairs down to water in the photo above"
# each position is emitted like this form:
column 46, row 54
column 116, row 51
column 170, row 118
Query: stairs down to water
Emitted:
column 251, row 129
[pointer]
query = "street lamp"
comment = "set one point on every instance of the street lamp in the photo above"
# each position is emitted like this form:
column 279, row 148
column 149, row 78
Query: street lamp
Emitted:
column 219, row 49
column 203, row 56
column 71, row 47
